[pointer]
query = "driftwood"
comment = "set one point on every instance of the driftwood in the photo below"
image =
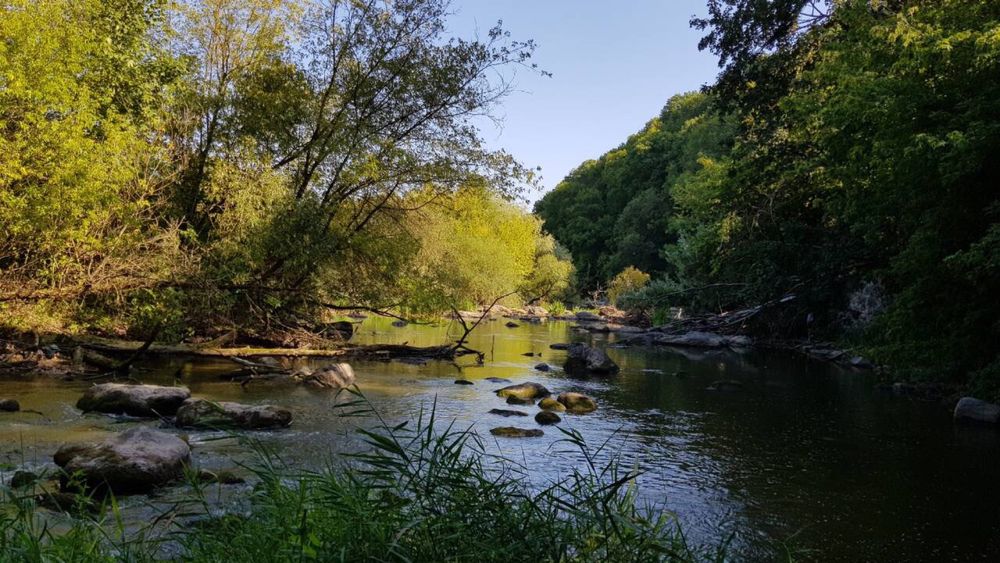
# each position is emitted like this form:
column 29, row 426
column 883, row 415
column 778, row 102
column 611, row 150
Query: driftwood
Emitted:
column 725, row 323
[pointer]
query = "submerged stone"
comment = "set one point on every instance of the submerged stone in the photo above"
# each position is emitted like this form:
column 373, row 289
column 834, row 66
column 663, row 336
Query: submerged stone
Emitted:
column 507, row 412
column 514, row 432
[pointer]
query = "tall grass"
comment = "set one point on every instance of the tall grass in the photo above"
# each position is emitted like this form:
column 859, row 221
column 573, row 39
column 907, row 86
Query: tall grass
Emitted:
column 425, row 491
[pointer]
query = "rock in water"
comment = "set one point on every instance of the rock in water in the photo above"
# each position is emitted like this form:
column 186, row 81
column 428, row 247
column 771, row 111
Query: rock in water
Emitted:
column 976, row 410
column 134, row 461
column 725, row 385
column 199, row 413
column 9, row 405
column 514, row 432
column 463, row 382
column 512, row 324
column 559, row 346
column 582, row 359
column 507, row 412
column 333, row 376
column 524, row 391
column 543, row 367
column 550, row 404
column 577, row 403
column 546, row 417
column 133, row 400
column 512, row 400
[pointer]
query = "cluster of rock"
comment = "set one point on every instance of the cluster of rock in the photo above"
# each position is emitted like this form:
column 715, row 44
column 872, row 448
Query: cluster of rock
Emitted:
column 140, row 459
column 531, row 393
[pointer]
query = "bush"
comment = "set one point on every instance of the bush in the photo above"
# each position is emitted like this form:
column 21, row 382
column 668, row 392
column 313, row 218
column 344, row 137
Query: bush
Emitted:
column 628, row 280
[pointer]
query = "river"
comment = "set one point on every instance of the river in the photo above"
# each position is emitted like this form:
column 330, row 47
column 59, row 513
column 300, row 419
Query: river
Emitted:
column 804, row 454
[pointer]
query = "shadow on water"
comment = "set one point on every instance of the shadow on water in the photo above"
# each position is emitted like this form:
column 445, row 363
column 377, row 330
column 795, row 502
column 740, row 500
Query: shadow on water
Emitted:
column 801, row 449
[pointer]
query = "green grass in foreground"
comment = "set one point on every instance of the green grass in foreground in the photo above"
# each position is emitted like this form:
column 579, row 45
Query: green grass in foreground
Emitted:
column 424, row 492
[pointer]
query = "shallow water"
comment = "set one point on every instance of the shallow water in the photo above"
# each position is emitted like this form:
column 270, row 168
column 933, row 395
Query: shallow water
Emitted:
column 803, row 454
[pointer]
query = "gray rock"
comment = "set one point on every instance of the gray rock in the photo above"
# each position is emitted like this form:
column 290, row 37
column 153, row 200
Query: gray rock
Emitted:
column 199, row 413
column 976, row 410
column 547, row 417
column 9, row 405
column 514, row 432
column 134, row 461
column 543, row 367
column 511, row 324
column 498, row 379
column 584, row 359
column 587, row 316
column 524, row 391
column 133, row 400
column 333, row 376
column 577, row 403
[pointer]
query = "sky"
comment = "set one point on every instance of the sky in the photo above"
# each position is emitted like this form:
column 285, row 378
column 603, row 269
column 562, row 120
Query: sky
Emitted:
column 614, row 65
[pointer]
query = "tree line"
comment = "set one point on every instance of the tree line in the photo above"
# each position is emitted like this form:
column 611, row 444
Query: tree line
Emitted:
column 196, row 163
column 846, row 156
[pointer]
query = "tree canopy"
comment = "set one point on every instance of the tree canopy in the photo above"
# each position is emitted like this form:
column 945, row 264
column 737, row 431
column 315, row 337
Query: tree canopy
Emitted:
column 851, row 148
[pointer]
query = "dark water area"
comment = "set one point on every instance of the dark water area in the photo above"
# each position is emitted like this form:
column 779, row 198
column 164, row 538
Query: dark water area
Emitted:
column 804, row 454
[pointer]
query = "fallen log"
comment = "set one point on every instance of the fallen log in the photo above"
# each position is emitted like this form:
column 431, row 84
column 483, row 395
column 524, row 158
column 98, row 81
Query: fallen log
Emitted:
column 373, row 351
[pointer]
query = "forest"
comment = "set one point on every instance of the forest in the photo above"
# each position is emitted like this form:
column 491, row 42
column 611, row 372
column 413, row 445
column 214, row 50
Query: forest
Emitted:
column 218, row 164
column 846, row 156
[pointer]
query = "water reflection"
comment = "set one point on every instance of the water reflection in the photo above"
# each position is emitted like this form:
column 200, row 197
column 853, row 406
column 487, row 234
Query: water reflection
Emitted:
column 800, row 449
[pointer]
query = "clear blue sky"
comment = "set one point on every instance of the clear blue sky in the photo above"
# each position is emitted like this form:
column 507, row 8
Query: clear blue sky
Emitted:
column 614, row 65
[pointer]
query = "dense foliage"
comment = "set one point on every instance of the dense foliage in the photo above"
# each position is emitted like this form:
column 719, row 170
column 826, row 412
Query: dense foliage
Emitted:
column 246, row 159
column 851, row 163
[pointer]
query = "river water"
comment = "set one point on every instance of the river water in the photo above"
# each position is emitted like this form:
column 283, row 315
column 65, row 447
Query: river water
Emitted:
column 804, row 455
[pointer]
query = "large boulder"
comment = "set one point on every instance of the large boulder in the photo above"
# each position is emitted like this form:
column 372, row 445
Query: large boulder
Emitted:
column 333, row 376
column 133, row 400
column 577, row 403
column 199, row 413
column 134, row 461
column 976, row 410
column 581, row 358
column 524, row 391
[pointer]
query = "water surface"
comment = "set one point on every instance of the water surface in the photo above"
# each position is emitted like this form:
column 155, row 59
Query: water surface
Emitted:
column 804, row 454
